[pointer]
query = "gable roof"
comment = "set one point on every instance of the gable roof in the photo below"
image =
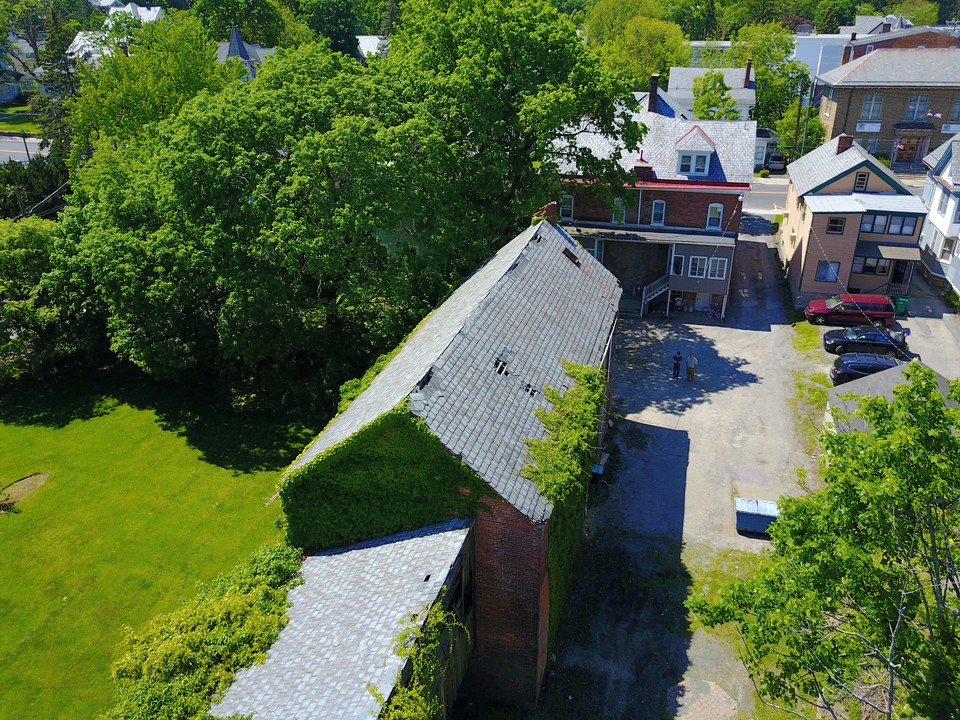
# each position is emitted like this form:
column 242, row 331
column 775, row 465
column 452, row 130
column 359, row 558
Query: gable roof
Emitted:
column 237, row 47
column 530, row 306
column 343, row 622
column 822, row 166
column 734, row 141
column 944, row 163
column 899, row 67
column 897, row 34
column 873, row 24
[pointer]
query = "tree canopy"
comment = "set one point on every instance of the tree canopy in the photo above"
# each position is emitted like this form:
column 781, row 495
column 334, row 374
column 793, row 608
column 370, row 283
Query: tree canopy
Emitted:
column 711, row 98
column 856, row 612
column 778, row 78
column 645, row 47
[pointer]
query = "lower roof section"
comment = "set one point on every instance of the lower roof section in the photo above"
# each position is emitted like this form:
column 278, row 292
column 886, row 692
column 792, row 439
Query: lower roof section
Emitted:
column 343, row 622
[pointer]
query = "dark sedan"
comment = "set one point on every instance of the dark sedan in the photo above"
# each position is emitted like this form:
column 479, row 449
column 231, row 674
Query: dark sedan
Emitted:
column 854, row 366
column 867, row 338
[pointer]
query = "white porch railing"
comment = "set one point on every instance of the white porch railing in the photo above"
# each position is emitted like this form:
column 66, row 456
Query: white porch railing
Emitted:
column 654, row 289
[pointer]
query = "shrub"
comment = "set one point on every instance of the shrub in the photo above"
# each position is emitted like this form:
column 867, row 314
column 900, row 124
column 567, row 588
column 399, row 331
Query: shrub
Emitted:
column 764, row 173
column 185, row 658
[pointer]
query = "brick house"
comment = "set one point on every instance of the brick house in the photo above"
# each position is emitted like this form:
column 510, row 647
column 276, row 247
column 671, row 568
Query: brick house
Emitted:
column 849, row 224
column 670, row 233
column 469, row 381
column 940, row 238
column 907, row 38
column 896, row 103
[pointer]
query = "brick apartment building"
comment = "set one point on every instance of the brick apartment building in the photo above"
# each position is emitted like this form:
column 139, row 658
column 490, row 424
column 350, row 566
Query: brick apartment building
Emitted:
column 896, row 103
column 670, row 233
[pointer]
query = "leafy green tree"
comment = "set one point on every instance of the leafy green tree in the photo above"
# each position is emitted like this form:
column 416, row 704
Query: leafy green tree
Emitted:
column 856, row 613
column 607, row 19
column 336, row 20
column 170, row 61
column 259, row 21
column 799, row 138
column 826, row 19
column 711, row 98
column 919, row 12
column 59, row 80
column 946, row 10
column 778, row 78
column 646, row 47
column 25, row 186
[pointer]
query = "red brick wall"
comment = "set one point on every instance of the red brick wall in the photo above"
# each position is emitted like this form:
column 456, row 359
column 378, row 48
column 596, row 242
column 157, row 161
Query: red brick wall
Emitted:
column 927, row 39
column 689, row 209
column 512, row 606
column 586, row 207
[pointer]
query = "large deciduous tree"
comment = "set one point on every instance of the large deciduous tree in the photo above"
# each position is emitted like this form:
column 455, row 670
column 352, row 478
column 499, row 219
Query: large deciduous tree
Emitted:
column 336, row 20
column 856, row 613
column 259, row 21
column 711, row 98
column 799, row 135
column 778, row 77
column 645, row 47
column 606, row 19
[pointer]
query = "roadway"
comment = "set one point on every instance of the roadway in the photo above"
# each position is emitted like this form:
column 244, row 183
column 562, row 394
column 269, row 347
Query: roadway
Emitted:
column 768, row 196
column 15, row 147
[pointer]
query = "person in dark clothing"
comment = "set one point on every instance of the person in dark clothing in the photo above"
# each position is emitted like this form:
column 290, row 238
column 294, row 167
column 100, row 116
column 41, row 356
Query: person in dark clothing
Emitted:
column 677, row 360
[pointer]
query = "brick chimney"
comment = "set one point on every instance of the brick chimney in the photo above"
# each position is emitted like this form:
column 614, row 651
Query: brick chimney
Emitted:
column 549, row 212
column 853, row 36
column 652, row 95
column 844, row 142
column 642, row 170
column 746, row 74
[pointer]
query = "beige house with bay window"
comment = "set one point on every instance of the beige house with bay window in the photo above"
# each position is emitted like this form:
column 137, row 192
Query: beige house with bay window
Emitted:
column 849, row 225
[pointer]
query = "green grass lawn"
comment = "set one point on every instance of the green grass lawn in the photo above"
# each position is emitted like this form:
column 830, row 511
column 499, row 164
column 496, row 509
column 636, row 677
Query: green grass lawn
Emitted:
column 150, row 490
column 16, row 118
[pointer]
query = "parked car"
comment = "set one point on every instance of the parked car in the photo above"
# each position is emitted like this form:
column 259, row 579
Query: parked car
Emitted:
column 852, row 366
column 851, row 309
column 776, row 162
column 867, row 338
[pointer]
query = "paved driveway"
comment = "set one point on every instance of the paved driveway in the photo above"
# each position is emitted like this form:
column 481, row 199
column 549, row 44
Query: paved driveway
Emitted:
column 685, row 450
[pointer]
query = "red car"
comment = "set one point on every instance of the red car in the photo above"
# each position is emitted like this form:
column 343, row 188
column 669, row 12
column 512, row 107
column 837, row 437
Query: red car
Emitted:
column 851, row 309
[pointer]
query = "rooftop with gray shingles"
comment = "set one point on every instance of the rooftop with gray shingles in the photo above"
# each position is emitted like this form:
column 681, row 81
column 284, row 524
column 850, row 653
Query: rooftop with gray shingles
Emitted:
column 823, row 165
column 530, row 307
column 734, row 142
column 343, row 622
column 680, row 85
column 900, row 68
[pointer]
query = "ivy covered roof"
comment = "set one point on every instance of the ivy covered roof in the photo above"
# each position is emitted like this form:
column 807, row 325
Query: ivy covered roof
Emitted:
column 475, row 369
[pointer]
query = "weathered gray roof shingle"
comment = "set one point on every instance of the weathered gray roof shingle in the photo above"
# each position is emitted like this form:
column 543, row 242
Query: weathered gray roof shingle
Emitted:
column 900, row 68
column 823, row 165
column 343, row 622
column 532, row 307
column 680, row 84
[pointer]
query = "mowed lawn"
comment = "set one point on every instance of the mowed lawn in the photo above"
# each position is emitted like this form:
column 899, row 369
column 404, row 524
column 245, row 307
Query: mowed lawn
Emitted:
column 140, row 504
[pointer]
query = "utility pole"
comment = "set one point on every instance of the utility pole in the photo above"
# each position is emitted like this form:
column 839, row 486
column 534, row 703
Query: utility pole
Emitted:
column 796, row 131
column 23, row 136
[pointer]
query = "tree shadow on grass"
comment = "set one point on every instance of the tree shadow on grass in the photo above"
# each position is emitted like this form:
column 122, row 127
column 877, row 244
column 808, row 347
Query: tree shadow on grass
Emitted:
column 238, row 439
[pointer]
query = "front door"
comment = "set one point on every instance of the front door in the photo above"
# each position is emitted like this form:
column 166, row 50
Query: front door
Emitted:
column 909, row 149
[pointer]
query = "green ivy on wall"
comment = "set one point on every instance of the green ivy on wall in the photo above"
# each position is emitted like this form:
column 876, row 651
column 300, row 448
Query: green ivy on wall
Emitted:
column 561, row 467
column 390, row 476
column 183, row 659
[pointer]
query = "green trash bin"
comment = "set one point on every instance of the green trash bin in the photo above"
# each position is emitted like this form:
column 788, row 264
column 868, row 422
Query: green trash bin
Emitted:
column 900, row 304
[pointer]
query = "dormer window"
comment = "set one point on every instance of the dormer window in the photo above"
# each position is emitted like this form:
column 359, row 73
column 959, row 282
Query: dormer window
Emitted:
column 693, row 163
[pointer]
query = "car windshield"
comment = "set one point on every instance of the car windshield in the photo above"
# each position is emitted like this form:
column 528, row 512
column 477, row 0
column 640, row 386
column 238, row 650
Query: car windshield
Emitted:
column 833, row 302
column 852, row 333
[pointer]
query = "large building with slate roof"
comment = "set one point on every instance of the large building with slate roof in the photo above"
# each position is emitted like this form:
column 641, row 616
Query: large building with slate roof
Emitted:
column 670, row 234
column 897, row 103
column 474, row 373
column 849, row 224
column 739, row 80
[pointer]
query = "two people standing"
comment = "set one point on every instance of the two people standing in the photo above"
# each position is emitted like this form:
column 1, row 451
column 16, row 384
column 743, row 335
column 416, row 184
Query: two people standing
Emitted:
column 692, row 363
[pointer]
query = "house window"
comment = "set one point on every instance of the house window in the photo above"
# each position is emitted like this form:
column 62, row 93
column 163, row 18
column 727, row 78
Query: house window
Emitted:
column 677, row 268
column 693, row 164
column 947, row 248
column 717, row 269
column 658, row 212
column 868, row 143
column 860, row 183
column 917, row 107
column 874, row 223
column 566, row 207
column 827, row 271
column 955, row 110
column 619, row 216
column 714, row 216
column 872, row 103
column 835, row 225
column 869, row 48
column 956, row 217
column 871, row 266
column 902, row 225
column 942, row 205
column 593, row 246
column 698, row 266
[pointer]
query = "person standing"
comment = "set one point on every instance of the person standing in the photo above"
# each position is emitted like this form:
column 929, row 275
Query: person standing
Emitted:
column 677, row 359
column 691, row 366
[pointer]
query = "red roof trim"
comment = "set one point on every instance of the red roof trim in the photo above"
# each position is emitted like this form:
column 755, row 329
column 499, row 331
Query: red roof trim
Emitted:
column 669, row 184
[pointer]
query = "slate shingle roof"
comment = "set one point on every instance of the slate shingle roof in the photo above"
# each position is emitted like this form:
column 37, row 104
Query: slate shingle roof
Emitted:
column 823, row 165
column 732, row 161
column 237, row 47
column 901, row 68
column 680, row 85
column 343, row 621
column 529, row 306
